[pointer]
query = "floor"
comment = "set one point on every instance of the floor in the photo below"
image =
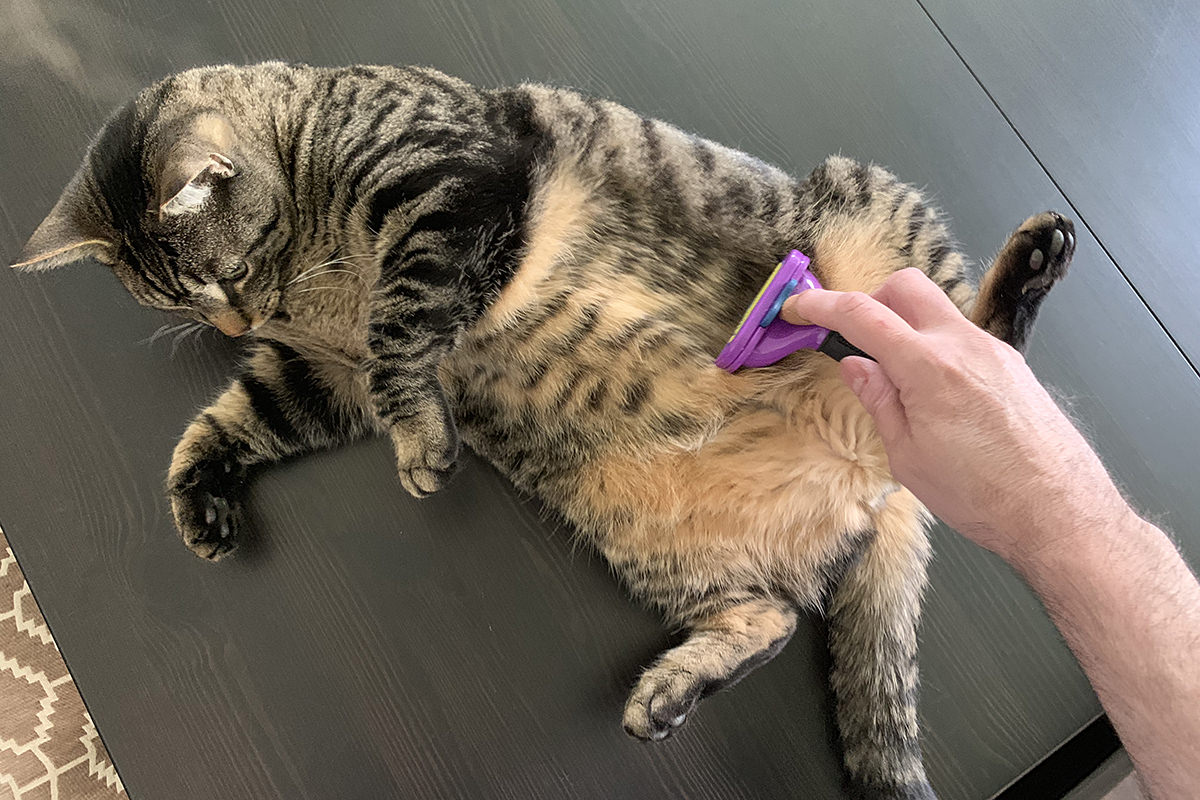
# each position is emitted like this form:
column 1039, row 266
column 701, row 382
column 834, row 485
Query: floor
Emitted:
column 462, row 646
column 49, row 746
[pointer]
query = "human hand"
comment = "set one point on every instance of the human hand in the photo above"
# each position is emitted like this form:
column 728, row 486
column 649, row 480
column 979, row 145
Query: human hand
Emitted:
column 966, row 425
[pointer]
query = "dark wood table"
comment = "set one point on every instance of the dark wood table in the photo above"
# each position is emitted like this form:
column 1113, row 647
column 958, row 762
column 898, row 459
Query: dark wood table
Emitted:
column 373, row 646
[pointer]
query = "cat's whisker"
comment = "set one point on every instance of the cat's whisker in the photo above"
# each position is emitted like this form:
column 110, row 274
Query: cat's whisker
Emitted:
column 165, row 330
column 306, row 273
column 323, row 288
column 193, row 328
column 327, row 272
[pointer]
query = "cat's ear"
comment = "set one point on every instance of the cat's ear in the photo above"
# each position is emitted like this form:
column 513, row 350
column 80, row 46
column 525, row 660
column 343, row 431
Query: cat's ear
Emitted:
column 67, row 234
column 194, row 164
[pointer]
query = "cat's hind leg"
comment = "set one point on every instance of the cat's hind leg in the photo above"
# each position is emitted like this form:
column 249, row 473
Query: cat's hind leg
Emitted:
column 1034, row 258
column 721, row 649
column 873, row 617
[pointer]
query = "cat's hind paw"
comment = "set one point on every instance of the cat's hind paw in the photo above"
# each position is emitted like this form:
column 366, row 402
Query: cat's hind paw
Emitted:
column 1042, row 250
column 721, row 650
column 1035, row 258
column 662, row 700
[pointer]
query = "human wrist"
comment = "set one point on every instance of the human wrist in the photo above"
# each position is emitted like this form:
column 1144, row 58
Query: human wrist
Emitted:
column 1066, row 534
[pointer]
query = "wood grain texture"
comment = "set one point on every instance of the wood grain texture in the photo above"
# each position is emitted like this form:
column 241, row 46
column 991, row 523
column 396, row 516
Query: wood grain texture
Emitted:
column 1105, row 93
column 375, row 646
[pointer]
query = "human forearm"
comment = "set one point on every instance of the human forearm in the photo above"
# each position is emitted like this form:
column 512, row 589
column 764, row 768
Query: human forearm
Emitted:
column 1129, row 608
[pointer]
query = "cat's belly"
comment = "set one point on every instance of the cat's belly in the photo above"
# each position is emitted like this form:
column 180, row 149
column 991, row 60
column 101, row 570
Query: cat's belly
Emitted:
column 657, row 456
column 580, row 373
column 596, row 390
column 594, row 400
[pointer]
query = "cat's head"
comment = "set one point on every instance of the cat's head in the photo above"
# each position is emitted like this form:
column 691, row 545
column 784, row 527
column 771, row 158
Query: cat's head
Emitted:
column 189, row 212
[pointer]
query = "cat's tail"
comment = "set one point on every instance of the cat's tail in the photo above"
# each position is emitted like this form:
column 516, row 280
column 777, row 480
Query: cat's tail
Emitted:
column 872, row 637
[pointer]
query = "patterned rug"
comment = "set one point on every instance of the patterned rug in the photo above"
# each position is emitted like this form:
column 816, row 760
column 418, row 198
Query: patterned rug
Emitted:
column 49, row 749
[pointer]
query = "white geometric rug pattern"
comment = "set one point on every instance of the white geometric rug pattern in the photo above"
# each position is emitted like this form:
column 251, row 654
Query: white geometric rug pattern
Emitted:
column 49, row 748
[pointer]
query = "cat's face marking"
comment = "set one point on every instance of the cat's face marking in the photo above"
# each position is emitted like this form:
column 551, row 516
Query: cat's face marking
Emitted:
column 187, row 216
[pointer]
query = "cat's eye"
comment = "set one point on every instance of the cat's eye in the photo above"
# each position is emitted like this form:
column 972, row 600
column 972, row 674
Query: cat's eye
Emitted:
column 235, row 272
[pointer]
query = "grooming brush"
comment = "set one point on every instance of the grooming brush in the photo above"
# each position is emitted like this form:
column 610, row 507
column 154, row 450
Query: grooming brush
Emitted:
column 761, row 338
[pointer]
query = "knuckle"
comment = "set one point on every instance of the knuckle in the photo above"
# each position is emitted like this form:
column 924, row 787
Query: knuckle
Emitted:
column 853, row 303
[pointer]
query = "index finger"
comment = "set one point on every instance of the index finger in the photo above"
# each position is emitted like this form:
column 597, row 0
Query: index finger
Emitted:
column 917, row 299
column 864, row 321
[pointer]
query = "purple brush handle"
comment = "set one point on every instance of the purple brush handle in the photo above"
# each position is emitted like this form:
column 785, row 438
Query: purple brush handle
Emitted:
column 782, row 339
column 762, row 338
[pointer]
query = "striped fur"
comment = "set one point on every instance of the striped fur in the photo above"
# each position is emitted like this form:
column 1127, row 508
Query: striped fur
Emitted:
column 550, row 275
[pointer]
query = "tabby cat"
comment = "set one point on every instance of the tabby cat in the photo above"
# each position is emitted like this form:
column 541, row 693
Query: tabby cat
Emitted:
column 551, row 276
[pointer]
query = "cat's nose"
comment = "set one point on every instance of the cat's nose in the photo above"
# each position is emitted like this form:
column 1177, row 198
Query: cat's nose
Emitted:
column 230, row 322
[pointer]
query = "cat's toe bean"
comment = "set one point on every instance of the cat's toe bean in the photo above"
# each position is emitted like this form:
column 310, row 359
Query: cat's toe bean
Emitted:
column 1036, row 259
column 1057, row 241
column 220, row 508
column 670, row 707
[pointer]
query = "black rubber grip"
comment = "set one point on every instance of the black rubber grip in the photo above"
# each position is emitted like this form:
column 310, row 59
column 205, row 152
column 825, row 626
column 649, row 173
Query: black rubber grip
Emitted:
column 836, row 347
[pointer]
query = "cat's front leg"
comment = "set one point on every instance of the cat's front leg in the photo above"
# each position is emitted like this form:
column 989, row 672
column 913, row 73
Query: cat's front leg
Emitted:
column 416, row 312
column 281, row 405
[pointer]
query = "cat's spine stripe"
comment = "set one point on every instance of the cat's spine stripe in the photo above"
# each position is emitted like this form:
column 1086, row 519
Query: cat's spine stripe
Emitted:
column 334, row 123
column 666, row 183
column 703, row 153
column 302, row 132
column 368, row 141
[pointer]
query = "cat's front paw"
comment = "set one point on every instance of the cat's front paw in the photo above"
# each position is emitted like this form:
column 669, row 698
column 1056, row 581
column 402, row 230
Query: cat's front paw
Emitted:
column 206, row 501
column 426, row 453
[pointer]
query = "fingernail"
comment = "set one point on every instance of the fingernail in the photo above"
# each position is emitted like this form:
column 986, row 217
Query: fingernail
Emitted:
column 856, row 379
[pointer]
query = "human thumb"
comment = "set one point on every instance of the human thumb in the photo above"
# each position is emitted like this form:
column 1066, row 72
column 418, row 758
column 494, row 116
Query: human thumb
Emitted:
column 877, row 393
